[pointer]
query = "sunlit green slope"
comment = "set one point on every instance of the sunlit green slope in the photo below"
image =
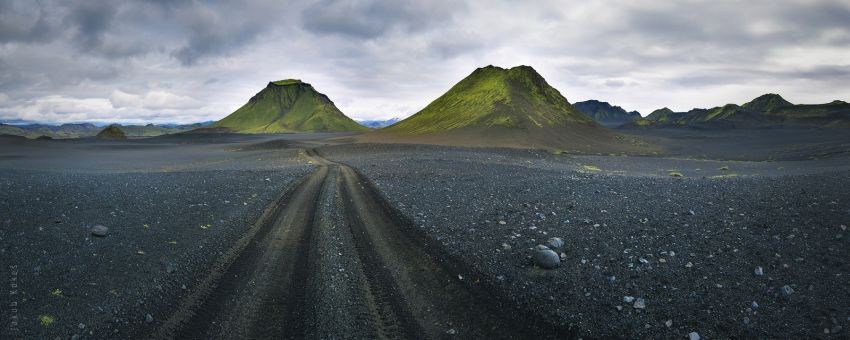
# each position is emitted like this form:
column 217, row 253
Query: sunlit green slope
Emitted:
column 495, row 97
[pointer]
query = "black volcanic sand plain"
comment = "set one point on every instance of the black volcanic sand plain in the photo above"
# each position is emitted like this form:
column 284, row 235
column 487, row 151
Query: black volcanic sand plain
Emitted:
column 171, row 209
column 687, row 245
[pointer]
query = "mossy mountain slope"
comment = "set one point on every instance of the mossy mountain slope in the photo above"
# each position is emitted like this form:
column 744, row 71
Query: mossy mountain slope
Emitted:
column 495, row 97
column 515, row 108
column 287, row 106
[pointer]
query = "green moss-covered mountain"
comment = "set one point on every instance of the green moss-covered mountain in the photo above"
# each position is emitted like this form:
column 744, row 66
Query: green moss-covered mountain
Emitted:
column 492, row 96
column 516, row 108
column 764, row 111
column 111, row 132
column 287, row 106
column 605, row 113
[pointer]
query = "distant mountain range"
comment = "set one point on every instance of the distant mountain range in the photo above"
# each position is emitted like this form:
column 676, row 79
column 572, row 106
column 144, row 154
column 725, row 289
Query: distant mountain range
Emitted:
column 605, row 113
column 78, row 130
column 492, row 106
column 377, row 124
column 769, row 110
column 287, row 106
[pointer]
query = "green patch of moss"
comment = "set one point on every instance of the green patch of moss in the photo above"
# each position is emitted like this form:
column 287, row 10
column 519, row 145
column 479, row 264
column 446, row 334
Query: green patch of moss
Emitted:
column 46, row 320
column 674, row 173
column 588, row 167
column 287, row 82
column 724, row 176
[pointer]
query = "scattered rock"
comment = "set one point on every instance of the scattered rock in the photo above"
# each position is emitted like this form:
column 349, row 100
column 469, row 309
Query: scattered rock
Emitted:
column 668, row 323
column 99, row 230
column 786, row 291
column 693, row 336
column 628, row 299
column 554, row 243
column 545, row 258
column 451, row 331
column 759, row 271
column 755, row 305
column 148, row 318
column 691, row 212
column 640, row 303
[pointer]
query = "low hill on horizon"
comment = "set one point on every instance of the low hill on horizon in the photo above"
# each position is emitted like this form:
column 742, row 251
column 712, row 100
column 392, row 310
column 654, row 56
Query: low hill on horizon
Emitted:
column 498, row 107
column 81, row 130
column 768, row 110
column 111, row 132
column 606, row 114
column 287, row 106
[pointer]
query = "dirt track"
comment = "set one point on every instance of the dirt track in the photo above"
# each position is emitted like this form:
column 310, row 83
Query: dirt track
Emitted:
column 394, row 287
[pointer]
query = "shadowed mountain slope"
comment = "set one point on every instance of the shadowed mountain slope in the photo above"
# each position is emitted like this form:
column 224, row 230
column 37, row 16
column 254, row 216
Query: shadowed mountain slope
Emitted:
column 111, row 132
column 605, row 113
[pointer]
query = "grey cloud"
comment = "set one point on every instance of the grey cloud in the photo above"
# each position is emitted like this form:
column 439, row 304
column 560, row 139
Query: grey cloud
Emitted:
column 838, row 73
column 21, row 23
column 369, row 19
column 221, row 31
column 615, row 83
column 732, row 76
column 91, row 20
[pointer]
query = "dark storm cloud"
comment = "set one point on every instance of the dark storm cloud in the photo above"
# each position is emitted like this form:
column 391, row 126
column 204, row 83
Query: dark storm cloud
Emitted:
column 371, row 19
column 212, row 33
column 91, row 20
column 20, row 22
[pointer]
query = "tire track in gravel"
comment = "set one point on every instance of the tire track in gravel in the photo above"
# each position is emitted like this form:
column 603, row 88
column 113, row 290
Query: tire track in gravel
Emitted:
column 261, row 293
column 261, row 287
column 415, row 285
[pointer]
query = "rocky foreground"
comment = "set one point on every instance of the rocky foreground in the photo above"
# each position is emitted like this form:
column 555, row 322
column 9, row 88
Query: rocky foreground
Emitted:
column 112, row 239
column 644, row 256
column 104, row 254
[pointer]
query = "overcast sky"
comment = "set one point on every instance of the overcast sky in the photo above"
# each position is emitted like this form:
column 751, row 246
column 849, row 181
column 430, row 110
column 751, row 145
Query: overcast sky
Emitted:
column 187, row 61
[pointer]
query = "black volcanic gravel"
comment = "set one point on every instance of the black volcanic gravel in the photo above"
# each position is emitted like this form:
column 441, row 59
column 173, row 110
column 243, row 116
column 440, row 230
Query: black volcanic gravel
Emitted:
column 687, row 246
column 165, row 228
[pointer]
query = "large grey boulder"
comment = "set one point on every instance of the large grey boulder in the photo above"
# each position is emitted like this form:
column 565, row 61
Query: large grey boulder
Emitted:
column 545, row 258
